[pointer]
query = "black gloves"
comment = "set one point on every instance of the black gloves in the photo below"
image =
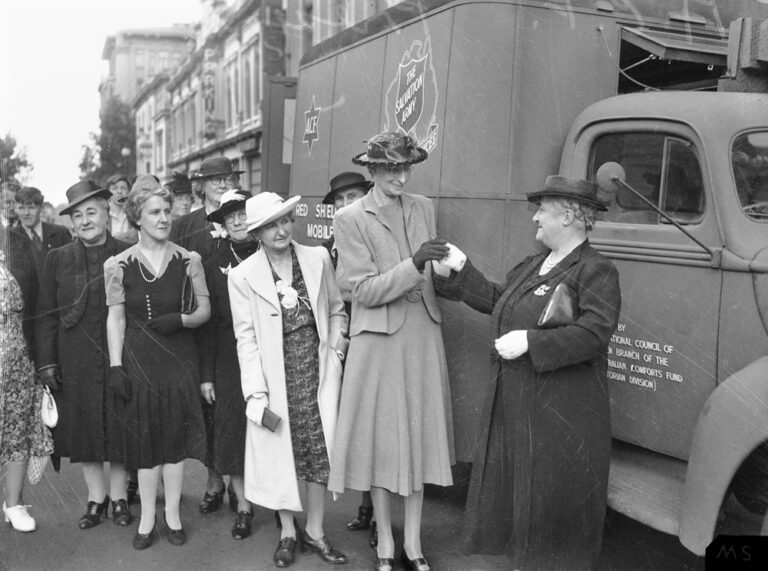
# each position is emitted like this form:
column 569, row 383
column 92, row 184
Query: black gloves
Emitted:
column 435, row 249
column 50, row 376
column 166, row 324
column 119, row 382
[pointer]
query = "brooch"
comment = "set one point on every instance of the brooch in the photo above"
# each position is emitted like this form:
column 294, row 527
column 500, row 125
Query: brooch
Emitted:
column 542, row 290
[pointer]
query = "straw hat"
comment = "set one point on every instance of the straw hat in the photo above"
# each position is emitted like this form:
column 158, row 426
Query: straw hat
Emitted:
column 267, row 207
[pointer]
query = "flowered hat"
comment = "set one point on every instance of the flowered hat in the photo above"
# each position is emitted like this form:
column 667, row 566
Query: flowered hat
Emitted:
column 392, row 148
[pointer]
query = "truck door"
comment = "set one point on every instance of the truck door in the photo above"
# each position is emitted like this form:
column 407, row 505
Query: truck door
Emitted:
column 662, row 358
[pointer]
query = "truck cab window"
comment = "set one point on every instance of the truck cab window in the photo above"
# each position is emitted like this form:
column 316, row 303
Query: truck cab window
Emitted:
column 749, row 160
column 663, row 168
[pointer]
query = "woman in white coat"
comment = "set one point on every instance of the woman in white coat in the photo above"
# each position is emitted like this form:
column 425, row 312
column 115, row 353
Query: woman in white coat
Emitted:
column 290, row 325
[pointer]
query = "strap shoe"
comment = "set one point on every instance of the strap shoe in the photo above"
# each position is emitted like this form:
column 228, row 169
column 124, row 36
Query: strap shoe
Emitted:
column 19, row 518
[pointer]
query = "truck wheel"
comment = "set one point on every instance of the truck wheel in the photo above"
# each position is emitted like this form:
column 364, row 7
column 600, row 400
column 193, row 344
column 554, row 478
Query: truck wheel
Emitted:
column 750, row 484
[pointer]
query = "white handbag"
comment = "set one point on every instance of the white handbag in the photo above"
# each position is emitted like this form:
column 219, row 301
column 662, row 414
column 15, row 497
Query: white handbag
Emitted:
column 48, row 409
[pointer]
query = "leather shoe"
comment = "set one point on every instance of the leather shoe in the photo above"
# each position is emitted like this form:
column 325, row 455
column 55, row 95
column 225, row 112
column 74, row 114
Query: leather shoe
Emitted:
column 19, row 518
column 242, row 527
column 121, row 513
column 418, row 564
column 384, row 564
column 175, row 536
column 323, row 548
column 211, row 501
column 373, row 539
column 143, row 540
column 363, row 519
column 93, row 513
column 285, row 554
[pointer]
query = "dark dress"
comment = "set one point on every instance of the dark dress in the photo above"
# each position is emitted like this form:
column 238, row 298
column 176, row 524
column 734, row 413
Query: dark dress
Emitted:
column 219, row 363
column 302, row 376
column 163, row 419
column 539, row 479
column 71, row 332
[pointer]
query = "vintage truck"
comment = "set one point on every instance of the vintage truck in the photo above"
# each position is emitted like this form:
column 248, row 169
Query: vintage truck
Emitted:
column 503, row 93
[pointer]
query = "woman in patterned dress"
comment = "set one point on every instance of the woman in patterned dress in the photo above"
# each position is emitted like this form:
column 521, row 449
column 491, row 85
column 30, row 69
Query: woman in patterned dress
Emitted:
column 22, row 432
column 289, row 321
column 153, row 357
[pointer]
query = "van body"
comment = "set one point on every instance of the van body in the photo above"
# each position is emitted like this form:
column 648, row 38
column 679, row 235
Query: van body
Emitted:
column 502, row 94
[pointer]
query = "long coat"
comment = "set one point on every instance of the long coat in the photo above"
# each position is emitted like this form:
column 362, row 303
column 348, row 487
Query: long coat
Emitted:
column 193, row 232
column 270, row 473
column 87, row 429
column 539, row 479
column 52, row 237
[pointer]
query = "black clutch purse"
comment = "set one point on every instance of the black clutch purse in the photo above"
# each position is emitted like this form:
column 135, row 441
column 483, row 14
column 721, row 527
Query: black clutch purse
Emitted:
column 188, row 299
column 560, row 309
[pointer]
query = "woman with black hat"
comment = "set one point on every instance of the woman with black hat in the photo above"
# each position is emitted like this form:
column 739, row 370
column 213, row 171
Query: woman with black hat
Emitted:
column 540, row 475
column 394, row 432
column 219, row 369
column 181, row 188
column 72, row 357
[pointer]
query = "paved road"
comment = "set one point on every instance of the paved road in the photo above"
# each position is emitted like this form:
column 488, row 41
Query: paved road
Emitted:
column 59, row 500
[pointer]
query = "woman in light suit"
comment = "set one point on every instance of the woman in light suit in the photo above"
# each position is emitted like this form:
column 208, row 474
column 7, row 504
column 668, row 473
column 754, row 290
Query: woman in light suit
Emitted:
column 395, row 430
column 290, row 325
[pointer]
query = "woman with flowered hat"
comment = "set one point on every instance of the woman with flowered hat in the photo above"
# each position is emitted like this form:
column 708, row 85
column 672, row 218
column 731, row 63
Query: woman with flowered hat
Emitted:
column 290, row 325
column 394, row 433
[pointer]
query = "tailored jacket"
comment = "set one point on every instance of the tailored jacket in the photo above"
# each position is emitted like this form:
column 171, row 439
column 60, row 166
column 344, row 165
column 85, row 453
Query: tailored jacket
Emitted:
column 52, row 237
column 371, row 259
column 270, row 473
column 193, row 232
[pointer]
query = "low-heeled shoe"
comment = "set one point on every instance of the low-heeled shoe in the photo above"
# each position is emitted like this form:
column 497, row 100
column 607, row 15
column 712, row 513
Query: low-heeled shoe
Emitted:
column 211, row 501
column 418, row 564
column 323, row 548
column 384, row 564
column 285, row 554
column 242, row 527
column 93, row 513
column 19, row 518
column 363, row 519
column 121, row 513
column 175, row 536
column 143, row 540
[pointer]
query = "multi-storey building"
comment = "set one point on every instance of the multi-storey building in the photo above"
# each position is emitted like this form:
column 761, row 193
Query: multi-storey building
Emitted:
column 152, row 111
column 136, row 56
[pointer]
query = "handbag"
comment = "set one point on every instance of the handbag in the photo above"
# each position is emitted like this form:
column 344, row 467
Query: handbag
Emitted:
column 188, row 299
column 560, row 309
column 48, row 409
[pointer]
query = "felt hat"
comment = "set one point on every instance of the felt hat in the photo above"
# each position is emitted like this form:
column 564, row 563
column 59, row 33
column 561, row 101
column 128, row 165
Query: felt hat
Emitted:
column 179, row 184
column 556, row 186
column 267, row 207
column 345, row 181
column 82, row 191
column 392, row 148
column 214, row 166
column 231, row 201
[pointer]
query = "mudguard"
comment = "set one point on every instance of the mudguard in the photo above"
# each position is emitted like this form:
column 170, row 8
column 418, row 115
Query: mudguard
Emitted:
column 733, row 422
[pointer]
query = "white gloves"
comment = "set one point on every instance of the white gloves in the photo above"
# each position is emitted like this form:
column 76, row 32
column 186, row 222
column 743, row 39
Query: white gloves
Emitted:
column 513, row 344
column 455, row 261
column 254, row 408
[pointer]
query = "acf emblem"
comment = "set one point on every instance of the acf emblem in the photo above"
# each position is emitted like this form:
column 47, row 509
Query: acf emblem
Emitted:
column 411, row 98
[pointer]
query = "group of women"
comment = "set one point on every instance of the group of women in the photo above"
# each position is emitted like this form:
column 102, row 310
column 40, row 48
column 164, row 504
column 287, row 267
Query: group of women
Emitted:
column 273, row 343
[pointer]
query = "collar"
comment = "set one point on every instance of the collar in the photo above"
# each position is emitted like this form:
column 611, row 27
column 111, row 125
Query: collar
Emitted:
column 38, row 228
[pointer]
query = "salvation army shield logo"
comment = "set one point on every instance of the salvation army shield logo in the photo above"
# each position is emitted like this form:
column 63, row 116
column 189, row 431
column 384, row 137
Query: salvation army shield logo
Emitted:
column 411, row 98
column 410, row 93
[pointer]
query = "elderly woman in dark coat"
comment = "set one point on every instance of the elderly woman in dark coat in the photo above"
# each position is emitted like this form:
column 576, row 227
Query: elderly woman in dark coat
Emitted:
column 539, row 479
column 72, row 357
column 219, row 368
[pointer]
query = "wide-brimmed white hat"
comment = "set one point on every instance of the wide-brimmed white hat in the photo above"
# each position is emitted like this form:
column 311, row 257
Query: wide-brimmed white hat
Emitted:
column 267, row 207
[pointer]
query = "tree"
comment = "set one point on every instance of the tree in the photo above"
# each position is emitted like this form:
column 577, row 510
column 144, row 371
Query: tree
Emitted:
column 111, row 151
column 13, row 161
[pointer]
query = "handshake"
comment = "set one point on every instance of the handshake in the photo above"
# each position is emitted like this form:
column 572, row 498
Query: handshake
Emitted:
column 446, row 256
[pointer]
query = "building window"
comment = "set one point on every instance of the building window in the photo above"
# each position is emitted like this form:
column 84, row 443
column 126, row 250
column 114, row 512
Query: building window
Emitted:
column 247, row 62
column 233, row 100
column 192, row 134
column 160, row 150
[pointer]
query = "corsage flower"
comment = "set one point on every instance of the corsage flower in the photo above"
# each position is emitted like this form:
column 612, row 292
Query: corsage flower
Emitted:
column 221, row 233
column 289, row 297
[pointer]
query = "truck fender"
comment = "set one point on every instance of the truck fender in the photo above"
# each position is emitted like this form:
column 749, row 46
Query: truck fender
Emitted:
column 733, row 422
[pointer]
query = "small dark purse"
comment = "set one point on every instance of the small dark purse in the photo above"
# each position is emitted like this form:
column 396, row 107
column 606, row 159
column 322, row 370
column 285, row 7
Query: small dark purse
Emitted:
column 188, row 299
column 560, row 309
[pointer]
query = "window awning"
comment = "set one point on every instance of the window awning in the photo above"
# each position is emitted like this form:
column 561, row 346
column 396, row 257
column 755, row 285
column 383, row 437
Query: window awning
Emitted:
column 680, row 47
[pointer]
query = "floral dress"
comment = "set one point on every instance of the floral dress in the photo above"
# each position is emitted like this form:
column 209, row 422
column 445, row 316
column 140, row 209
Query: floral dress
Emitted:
column 302, row 377
column 22, row 432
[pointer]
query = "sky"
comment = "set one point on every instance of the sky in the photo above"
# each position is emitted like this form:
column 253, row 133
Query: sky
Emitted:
column 50, row 57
